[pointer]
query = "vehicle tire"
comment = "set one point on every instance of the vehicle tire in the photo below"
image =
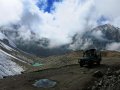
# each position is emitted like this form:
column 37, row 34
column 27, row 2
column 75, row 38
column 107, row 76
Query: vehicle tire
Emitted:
column 98, row 63
column 90, row 64
column 81, row 63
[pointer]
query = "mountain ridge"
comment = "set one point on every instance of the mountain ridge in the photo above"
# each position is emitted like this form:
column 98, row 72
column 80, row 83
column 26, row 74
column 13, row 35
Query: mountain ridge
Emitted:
column 100, row 37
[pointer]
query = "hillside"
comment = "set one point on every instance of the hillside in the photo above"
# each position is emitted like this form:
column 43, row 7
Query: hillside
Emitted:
column 12, row 60
column 65, row 70
column 103, row 37
column 61, row 64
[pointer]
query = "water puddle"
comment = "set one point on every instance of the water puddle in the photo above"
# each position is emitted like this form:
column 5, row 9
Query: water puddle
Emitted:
column 37, row 64
column 44, row 83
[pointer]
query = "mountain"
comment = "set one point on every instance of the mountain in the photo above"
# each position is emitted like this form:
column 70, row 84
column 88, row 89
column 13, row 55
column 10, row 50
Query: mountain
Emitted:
column 60, row 68
column 32, row 45
column 12, row 60
column 39, row 47
column 100, row 37
column 104, row 37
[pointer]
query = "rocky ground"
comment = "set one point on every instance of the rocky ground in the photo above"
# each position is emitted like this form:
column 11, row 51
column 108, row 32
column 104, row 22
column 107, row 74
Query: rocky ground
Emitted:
column 110, row 80
column 68, row 75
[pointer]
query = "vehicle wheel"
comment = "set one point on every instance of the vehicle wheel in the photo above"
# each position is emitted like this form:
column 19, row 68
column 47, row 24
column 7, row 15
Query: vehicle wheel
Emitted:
column 98, row 63
column 81, row 63
column 90, row 64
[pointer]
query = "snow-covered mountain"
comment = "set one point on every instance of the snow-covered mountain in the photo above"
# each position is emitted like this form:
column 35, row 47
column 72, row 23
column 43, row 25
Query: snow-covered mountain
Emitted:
column 31, row 45
column 12, row 60
column 104, row 37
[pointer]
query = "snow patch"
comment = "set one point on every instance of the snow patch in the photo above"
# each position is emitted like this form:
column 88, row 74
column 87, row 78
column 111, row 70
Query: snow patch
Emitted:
column 12, row 56
column 2, row 36
column 8, row 67
column 6, row 46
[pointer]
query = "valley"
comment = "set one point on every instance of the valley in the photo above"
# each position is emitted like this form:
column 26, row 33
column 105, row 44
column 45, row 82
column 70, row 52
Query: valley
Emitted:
column 59, row 45
column 63, row 69
column 21, row 68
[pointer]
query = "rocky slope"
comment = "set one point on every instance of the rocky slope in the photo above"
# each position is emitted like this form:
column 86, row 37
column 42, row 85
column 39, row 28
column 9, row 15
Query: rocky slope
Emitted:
column 68, row 75
column 110, row 79
column 12, row 60
column 31, row 45
column 103, row 37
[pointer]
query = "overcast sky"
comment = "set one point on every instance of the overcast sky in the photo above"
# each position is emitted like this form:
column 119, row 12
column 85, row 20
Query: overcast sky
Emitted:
column 58, row 20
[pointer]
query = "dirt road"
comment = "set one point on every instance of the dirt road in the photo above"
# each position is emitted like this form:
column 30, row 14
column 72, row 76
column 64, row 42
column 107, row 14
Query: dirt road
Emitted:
column 70, row 77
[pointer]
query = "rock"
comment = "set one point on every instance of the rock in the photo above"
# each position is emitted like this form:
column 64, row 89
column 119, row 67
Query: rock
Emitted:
column 117, row 73
column 98, row 74
column 109, row 73
column 100, row 83
column 44, row 83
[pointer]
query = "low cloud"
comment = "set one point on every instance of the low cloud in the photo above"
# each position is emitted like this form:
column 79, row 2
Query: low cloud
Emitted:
column 113, row 46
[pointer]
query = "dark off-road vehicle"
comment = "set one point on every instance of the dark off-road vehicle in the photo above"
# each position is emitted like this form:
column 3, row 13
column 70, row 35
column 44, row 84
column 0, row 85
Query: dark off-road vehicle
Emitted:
column 90, row 57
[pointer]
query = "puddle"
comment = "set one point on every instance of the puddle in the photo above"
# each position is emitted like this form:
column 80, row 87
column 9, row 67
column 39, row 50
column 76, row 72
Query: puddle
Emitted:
column 37, row 64
column 44, row 83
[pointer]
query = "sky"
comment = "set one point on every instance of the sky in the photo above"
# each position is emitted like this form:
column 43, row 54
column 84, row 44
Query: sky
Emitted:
column 58, row 20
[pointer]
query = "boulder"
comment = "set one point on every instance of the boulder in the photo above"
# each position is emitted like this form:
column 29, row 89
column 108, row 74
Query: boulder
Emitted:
column 98, row 74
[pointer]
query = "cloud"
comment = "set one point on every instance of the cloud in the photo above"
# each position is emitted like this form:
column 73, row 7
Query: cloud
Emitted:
column 59, row 25
column 10, row 11
column 68, row 18
column 113, row 46
column 109, row 8
column 98, row 35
